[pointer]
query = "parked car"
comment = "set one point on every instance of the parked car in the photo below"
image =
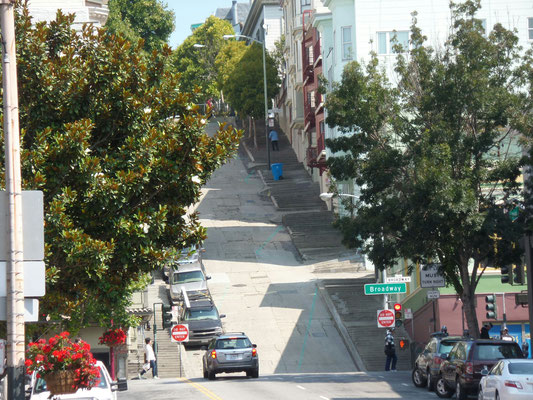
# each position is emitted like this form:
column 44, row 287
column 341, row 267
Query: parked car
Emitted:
column 188, row 277
column 200, row 313
column 188, row 255
column 460, row 372
column 427, row 364
column 105, row 390
column 232, row 352
column 507, row 380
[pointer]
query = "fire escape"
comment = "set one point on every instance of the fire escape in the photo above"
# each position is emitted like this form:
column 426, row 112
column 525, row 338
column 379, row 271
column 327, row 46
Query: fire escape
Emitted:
column 313, row 106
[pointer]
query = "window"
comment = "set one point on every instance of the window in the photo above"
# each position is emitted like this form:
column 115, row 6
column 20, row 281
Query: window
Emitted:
column 530, row 28
column 387, row 40
column 306, row 2
column 346, row 37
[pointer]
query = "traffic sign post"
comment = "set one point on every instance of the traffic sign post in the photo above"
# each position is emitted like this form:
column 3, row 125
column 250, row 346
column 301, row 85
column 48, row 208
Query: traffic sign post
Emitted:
column 397, row 279
column 385, row 288
column 430, row 277
column 386, row 319
column 179, row 333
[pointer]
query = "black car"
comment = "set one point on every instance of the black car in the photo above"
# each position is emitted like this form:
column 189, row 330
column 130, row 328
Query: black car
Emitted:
column 427, row 364
column 200, row 313
column 461, row 371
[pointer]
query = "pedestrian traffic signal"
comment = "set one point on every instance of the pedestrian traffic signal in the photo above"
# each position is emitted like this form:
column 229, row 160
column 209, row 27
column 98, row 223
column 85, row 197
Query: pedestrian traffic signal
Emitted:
column 519, row 274
column 490, row 306
column 166, row 315
column 505, row 271
column 404, row 344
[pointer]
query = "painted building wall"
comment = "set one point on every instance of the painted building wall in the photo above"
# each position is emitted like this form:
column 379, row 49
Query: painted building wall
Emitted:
column 94, row 11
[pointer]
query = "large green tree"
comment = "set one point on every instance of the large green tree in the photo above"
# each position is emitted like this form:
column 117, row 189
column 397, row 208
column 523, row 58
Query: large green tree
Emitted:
column 244, row 87
column 437, row 156
column 149, row 20
column 195, row 57
column 120, row 152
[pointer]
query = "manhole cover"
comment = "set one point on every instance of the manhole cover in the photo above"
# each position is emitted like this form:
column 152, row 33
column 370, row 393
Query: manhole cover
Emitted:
column 239, row 285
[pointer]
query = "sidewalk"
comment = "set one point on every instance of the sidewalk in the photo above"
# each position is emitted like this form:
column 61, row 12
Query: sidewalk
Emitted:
column 309, row 223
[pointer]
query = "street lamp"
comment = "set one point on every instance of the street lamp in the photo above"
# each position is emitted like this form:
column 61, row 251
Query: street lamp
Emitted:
column 264, row 83
column 199, row 46
column 329, row 196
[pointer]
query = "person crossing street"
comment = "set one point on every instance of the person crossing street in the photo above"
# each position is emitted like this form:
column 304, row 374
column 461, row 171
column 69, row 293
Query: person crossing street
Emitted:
column 390, row 351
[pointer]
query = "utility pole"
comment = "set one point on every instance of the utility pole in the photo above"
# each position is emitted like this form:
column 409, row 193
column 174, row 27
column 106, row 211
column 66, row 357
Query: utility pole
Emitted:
column 14, row 273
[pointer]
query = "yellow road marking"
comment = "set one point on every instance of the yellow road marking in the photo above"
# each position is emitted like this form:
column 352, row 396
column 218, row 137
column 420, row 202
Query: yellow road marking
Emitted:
column 202, row 389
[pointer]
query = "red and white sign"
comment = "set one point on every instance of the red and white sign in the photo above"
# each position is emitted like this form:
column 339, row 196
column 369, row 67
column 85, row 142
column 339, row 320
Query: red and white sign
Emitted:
column 385, row 318
column 179, row 333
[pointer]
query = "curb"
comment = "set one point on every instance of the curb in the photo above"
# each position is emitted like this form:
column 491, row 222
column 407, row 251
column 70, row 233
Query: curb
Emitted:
column 343, row 332
column 250, row 155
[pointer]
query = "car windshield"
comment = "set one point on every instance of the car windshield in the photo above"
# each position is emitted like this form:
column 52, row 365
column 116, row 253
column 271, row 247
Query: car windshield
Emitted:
column 233, row 343
column 446, row 346
column 189, row 276
column 525, row 368
column 497, row 351
column 40, row 384
column 201, row 314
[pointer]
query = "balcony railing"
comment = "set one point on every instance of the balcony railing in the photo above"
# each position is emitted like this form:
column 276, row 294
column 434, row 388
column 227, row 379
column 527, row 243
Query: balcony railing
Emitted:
column 316, row 159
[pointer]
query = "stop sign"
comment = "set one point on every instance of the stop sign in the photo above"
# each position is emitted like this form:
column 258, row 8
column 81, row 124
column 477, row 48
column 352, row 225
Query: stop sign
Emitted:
column 180, row 333
column 385, row 318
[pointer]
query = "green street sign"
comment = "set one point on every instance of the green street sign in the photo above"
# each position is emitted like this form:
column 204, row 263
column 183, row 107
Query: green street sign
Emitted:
column 513, row 214
column 385, row 288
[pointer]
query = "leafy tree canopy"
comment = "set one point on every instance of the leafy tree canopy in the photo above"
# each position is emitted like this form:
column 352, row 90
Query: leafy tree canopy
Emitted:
column 244, row 87
column 437, row 157
column 197, row 63
column 149, row 20
column 119, row 150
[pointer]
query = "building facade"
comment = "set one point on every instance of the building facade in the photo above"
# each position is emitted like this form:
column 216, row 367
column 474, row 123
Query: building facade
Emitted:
column 86, row 11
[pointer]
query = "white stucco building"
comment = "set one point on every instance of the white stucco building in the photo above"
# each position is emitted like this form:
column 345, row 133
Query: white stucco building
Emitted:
column 86, row 11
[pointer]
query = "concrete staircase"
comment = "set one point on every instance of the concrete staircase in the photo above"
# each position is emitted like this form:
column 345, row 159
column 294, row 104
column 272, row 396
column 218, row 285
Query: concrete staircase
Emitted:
column 168, row 359
column 358, row 314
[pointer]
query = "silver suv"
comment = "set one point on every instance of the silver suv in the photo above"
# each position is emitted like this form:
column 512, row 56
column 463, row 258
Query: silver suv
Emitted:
column 231, row 352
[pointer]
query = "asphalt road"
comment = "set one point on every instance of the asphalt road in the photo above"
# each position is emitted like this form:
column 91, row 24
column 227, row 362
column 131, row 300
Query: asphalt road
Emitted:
column 335, row 386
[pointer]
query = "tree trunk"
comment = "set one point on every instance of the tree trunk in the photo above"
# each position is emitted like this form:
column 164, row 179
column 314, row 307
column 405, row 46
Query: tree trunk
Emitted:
column 469, row 305
column 249, row 126
column 255, row 135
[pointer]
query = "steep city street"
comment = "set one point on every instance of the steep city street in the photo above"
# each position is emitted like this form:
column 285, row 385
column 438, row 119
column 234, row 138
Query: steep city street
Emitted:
column 265, row 291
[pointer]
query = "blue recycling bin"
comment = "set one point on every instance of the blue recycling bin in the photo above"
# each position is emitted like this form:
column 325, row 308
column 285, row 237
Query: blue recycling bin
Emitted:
column 277, row 171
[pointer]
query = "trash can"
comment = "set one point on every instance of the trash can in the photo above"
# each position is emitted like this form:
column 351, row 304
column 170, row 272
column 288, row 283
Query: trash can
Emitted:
column 277, row 171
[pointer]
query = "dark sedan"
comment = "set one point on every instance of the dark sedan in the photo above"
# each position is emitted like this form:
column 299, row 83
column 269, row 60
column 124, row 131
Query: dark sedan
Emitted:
column 427, row 364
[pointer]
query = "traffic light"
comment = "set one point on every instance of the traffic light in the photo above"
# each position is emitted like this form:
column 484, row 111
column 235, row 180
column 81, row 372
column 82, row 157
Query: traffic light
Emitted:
column 398, row 315
column 492, row 312
column 504, row 271
column 166, row 315
column 519, row 274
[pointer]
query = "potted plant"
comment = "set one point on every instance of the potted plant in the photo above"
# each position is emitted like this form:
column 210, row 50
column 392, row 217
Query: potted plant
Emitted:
column 113, row 337
column 66, row 366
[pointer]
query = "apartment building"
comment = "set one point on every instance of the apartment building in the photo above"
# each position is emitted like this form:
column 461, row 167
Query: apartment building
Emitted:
column 86, row 11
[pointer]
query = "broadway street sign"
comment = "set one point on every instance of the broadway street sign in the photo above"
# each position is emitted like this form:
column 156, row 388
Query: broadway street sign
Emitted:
column 385, row 288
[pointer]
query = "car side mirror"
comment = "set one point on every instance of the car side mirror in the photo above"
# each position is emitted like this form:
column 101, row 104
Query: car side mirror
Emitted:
column 114, row 386
column 484, row 371
column 445, row 356
column 254, row 346
column 208, row 277
column 222, row 315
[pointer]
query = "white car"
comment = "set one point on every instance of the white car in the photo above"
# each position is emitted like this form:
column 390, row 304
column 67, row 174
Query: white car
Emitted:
column 509, row 379
column 105, row 390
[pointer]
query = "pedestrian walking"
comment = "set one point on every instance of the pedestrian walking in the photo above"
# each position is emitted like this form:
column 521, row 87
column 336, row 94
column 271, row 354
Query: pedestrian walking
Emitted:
column 390, row 351
column 273, row 136
column 149, row 358
column 484, row 333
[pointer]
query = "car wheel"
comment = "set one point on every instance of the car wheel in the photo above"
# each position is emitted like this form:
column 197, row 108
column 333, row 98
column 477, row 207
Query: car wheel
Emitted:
column 430, row 382
column 255, row 373
column 205, row 373
column 211, row 375
column 441, row 389
column 418, row 377
column 460, row 393
column 249, row 372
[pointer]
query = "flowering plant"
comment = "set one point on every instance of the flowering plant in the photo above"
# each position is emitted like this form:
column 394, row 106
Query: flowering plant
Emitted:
column 113, row 337
column 59, row 353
